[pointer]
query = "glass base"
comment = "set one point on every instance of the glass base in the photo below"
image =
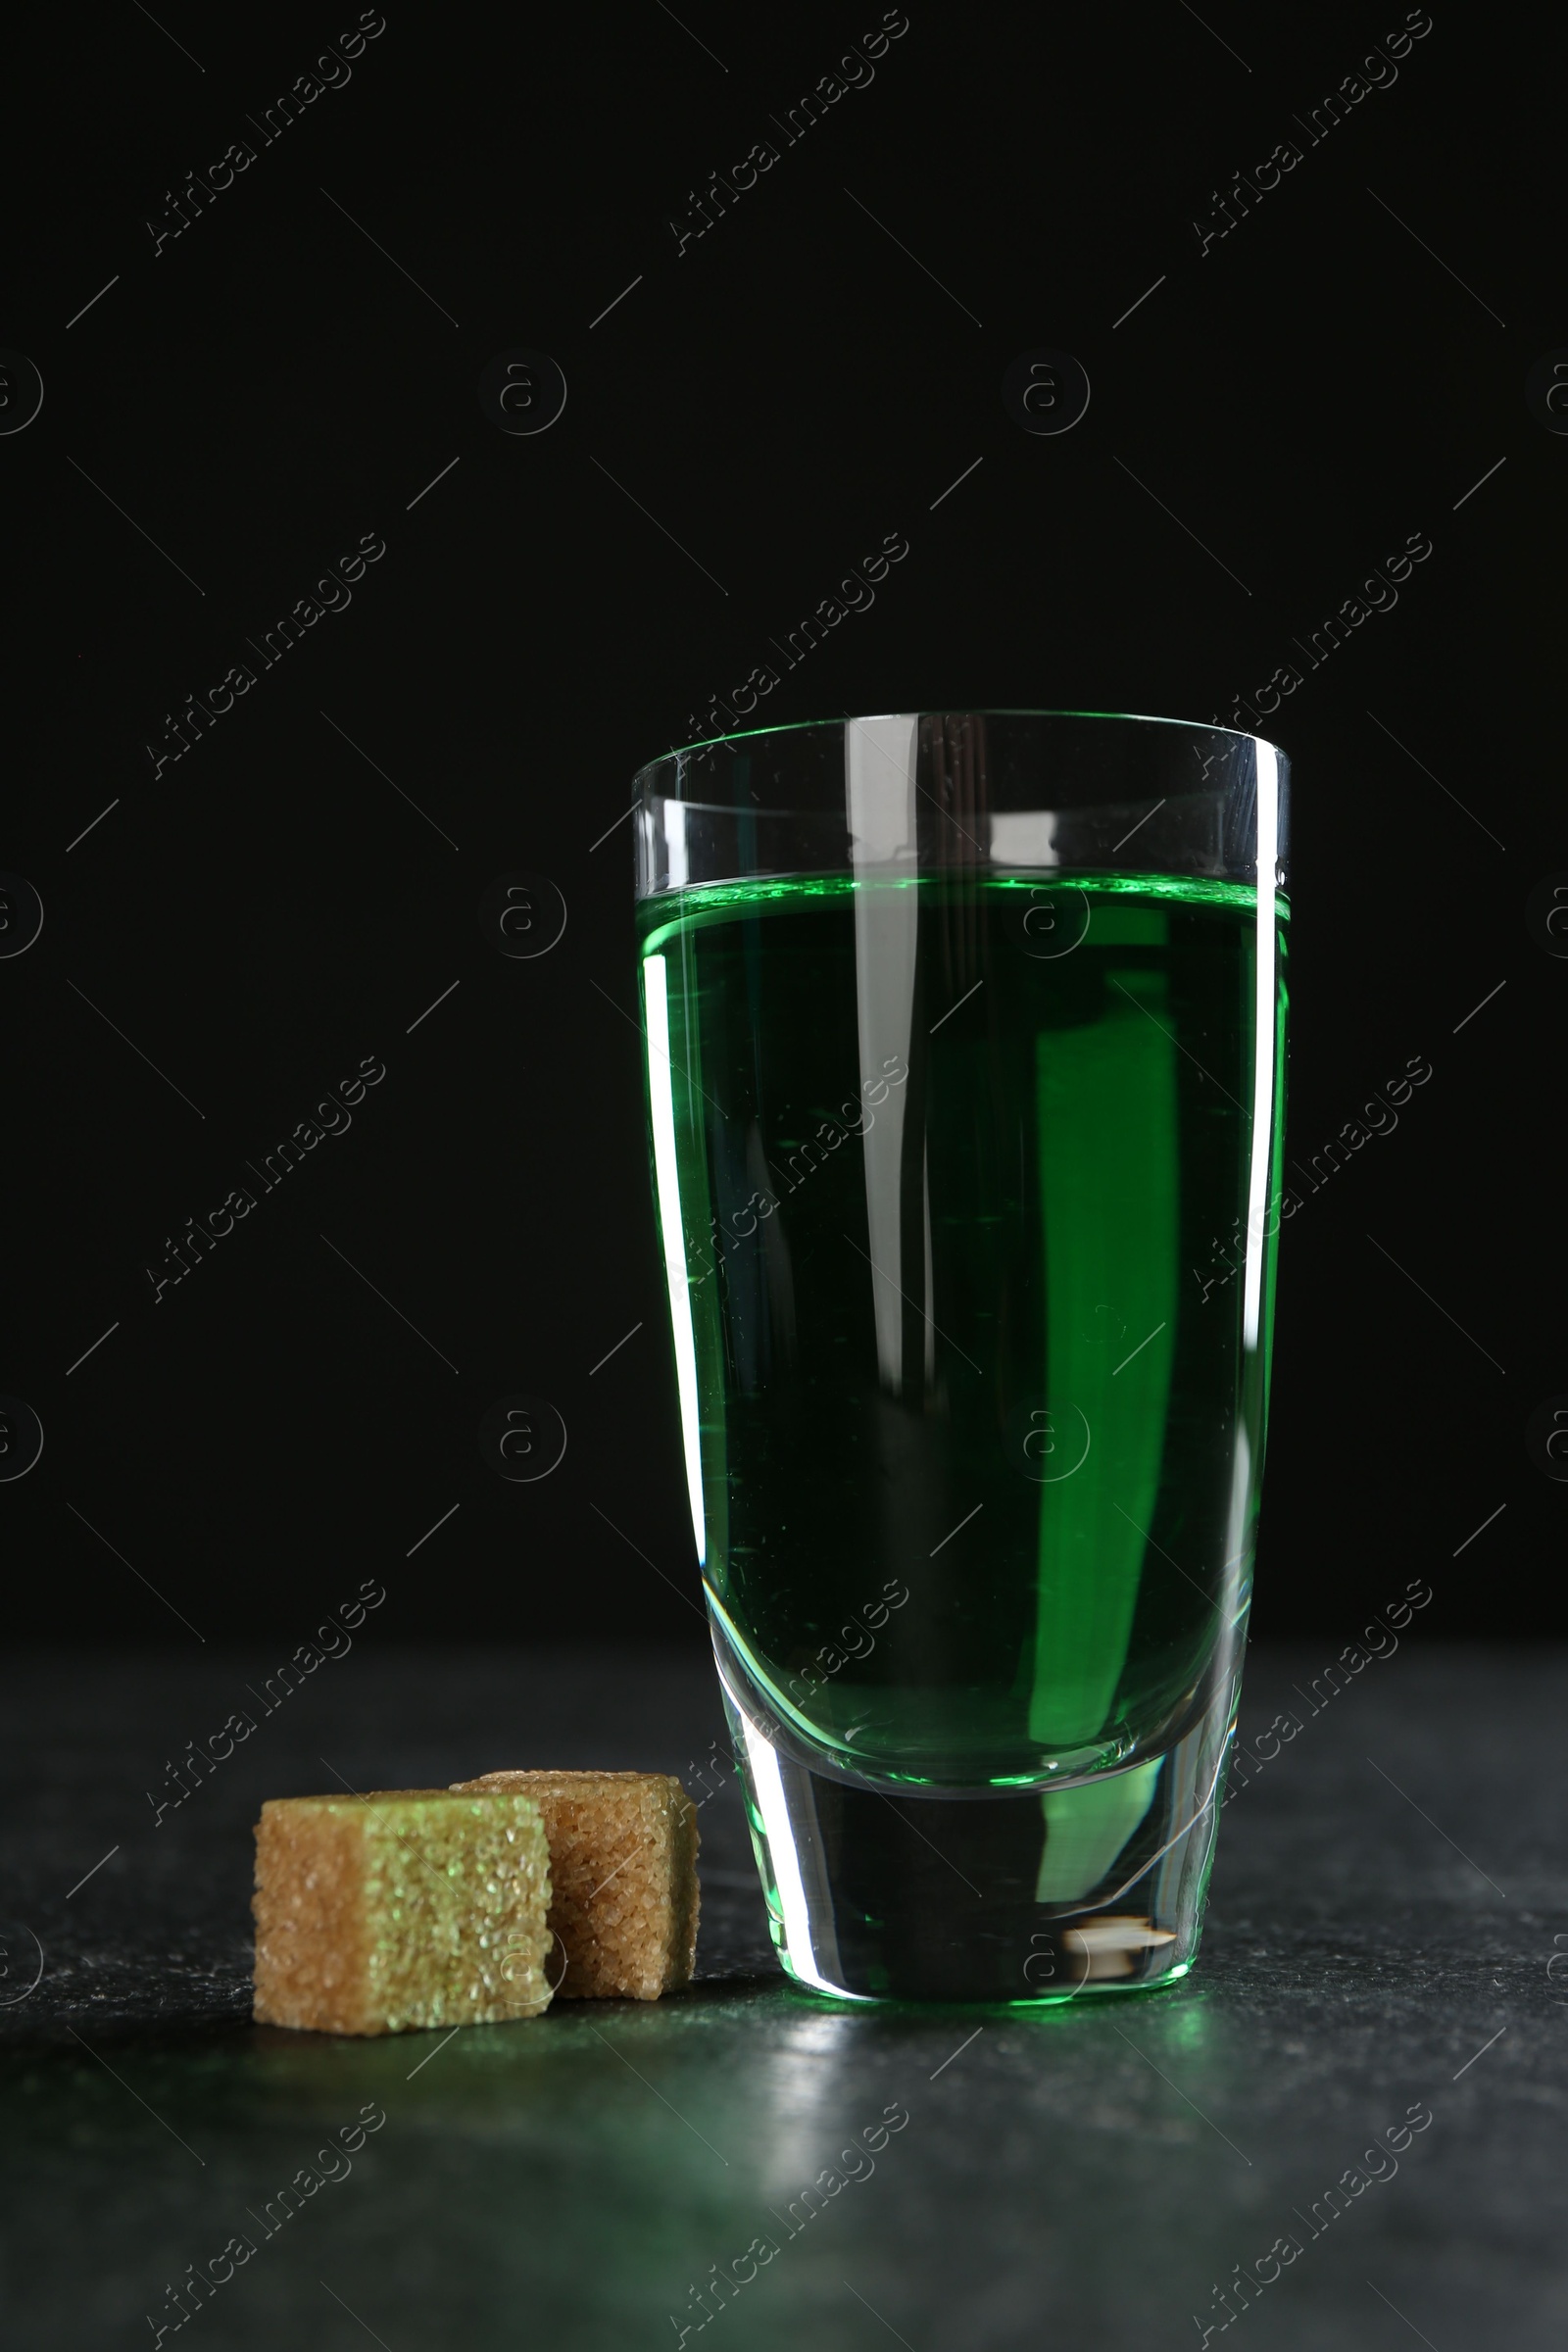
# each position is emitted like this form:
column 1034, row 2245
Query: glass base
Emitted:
column 1023, row 1896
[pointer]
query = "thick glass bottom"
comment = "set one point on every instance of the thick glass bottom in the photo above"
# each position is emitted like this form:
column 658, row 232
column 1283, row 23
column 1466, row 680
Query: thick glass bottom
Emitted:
column 1025, row 1897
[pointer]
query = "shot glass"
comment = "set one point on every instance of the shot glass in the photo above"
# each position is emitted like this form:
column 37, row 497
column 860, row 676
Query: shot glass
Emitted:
column 965, row 1040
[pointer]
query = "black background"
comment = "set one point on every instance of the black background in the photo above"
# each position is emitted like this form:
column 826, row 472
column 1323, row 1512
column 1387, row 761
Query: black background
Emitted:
column 774, row 398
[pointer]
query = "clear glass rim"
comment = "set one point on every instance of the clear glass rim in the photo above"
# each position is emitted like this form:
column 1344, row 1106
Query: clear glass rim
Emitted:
column 851, row 719
column 1049, row 790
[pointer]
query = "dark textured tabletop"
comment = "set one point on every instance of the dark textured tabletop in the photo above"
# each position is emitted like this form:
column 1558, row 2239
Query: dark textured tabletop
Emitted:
column 1357, row 2103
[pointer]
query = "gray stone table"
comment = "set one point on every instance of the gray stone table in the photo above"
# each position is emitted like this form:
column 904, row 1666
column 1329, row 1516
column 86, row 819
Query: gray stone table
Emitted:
column 1390, row 1895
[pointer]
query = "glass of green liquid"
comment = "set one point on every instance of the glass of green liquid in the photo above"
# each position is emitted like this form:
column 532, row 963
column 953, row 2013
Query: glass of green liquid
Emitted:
column 965, row 1054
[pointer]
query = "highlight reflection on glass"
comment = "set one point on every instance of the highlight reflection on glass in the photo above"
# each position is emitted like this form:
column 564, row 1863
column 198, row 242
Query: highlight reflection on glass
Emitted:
column 965, row 1042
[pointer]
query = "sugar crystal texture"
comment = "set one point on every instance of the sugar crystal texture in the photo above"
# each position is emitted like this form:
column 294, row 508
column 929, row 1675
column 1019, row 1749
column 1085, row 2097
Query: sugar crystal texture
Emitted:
column 623, row 1875
column 402, row 1908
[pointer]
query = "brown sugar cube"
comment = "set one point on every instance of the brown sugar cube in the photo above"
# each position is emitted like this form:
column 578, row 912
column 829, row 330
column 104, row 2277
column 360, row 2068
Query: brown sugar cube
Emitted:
column 624, row 1877
column 407, row 1907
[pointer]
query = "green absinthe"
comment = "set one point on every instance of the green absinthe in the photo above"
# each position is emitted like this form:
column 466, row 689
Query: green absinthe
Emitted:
column 965, row 1186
